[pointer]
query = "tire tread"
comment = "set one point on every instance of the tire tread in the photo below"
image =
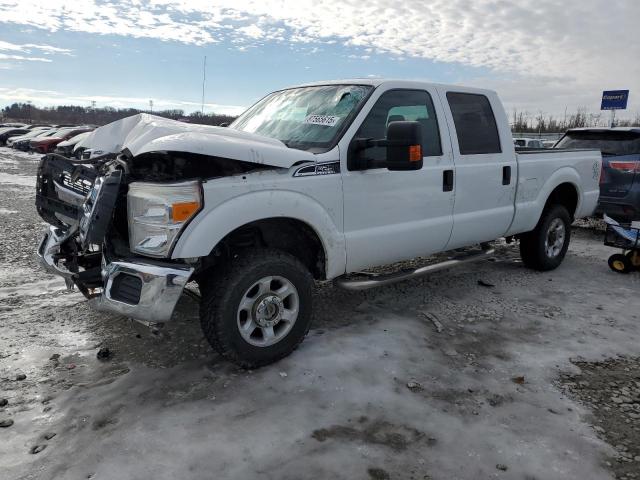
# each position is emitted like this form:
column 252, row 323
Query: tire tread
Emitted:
column 213, row 296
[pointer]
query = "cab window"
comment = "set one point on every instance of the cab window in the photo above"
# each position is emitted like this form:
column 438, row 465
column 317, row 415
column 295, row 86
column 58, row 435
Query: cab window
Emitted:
column 400, row 105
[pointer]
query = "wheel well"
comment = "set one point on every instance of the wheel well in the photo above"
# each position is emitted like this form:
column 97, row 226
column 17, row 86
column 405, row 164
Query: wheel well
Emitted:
column 566, row 195
column 287, row 234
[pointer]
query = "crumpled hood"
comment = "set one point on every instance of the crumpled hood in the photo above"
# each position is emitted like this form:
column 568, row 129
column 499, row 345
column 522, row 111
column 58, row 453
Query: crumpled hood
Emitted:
column 144, row 133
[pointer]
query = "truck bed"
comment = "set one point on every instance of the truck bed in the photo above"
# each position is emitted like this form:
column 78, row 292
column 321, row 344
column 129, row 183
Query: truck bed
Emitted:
column 538, row 170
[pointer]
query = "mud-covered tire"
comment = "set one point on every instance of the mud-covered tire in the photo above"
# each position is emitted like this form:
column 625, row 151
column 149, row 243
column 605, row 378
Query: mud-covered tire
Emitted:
column 221, row 307
column 540, row 249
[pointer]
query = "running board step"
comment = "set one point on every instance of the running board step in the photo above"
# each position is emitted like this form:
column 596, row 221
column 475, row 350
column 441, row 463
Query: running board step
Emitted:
column 374, row 280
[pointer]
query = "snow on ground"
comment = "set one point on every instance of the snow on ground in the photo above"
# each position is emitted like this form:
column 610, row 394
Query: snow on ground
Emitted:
column 440, row 378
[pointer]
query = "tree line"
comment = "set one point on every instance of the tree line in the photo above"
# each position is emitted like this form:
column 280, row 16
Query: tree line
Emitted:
column 526, row 122
column 77, row 115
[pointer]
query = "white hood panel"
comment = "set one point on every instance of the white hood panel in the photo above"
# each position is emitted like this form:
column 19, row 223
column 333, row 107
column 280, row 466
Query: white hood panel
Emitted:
column 144, row 133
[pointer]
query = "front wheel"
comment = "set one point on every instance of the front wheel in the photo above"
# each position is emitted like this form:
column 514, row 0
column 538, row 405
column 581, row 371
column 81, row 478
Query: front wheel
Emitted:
column 257, row 310
column 544, row 247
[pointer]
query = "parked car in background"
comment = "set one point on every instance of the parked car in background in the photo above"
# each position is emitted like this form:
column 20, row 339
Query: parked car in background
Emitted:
column 6, row 133
column 527, row 143
column 66, row 148
column 549, row 143
column 24, row 144
column 5, row 125
column 620, row 179
column 27, row 136
column 46, row 145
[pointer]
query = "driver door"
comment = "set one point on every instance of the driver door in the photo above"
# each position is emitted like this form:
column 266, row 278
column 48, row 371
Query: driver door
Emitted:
column 391, row 216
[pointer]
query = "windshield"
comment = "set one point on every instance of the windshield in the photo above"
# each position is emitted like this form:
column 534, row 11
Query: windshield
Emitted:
column 307, row 118
column 608, row 142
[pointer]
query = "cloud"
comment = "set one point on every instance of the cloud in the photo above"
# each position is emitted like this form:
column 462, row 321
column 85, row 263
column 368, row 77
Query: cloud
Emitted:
column 586, row 45
column 4, row 56
column 27, row 49
column 53, row 98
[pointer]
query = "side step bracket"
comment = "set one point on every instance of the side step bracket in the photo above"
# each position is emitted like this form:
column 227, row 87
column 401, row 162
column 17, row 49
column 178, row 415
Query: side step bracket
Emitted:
column 374, row 280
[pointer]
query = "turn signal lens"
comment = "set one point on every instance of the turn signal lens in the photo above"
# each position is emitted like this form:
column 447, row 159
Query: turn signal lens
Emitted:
column 415, row 153
column 183, row 211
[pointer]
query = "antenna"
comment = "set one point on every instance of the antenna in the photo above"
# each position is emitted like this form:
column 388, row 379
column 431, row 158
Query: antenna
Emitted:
column 204, row 78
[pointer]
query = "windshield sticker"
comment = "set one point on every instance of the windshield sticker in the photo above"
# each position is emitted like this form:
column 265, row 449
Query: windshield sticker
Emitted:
column 327, row 120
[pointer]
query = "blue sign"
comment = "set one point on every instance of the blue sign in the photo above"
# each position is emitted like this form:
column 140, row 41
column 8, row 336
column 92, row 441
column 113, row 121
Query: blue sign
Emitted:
column 614, row 100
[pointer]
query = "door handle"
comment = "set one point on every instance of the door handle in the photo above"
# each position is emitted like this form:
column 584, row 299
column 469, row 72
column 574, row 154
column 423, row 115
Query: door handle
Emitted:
column 506, row 175
column 447, row 180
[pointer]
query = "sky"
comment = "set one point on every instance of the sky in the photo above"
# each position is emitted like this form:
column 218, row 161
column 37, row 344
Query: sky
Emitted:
column 542, row 56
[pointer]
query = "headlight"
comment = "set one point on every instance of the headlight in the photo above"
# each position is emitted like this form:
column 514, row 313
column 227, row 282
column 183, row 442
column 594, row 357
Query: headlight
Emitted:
column 157, row 212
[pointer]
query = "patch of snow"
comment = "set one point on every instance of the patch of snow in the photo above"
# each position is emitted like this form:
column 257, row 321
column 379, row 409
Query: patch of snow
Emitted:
column 21, row 180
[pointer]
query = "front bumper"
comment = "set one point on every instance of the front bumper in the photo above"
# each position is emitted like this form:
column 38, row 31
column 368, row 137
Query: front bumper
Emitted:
column 134, row 287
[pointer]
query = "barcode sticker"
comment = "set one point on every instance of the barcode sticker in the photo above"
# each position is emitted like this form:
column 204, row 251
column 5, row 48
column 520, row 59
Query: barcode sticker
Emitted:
column 327, row 120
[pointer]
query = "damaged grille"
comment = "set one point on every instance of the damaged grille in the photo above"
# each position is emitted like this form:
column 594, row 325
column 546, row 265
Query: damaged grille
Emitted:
column 80, row 185
column 55, row 175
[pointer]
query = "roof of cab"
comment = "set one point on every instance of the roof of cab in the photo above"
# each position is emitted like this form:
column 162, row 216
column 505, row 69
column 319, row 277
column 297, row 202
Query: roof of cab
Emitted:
column 376, row 81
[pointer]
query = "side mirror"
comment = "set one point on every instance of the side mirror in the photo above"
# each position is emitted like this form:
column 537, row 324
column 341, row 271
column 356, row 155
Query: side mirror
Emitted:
column 224, row 124
column 404, row 146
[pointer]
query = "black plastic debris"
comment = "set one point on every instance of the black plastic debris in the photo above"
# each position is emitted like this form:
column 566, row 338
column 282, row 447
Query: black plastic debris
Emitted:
column 6, row 423
column 3, row 402
column 104, row 354
column 21, row 376
column 37, row 449
column 482, row 283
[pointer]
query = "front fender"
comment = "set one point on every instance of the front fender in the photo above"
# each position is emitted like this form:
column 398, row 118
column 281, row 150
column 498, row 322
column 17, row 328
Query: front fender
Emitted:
column 210, row 226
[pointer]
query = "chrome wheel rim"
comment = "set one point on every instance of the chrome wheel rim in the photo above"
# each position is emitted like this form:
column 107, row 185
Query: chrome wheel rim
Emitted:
column 267, row 311
column 554, row 240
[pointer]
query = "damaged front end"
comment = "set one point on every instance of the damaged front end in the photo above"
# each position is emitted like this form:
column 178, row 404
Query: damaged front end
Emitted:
column 87, row 243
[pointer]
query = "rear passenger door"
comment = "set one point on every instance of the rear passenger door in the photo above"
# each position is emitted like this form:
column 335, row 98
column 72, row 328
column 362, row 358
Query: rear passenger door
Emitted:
column 486, row 167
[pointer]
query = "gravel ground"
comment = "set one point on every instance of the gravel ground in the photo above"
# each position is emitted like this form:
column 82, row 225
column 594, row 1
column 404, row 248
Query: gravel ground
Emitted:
column 477, row 372
column 611, row 390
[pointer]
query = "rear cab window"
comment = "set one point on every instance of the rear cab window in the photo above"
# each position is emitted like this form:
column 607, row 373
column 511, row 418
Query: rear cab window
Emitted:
column 475, row 123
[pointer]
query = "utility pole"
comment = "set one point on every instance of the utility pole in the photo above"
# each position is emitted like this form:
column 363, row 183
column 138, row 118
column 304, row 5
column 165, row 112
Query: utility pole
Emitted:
column 204, row 79
column 29, row 103
column 93, row 108
column 151, row 105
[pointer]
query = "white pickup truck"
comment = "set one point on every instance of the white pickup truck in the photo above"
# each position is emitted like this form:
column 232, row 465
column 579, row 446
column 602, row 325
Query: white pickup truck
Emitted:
column 316, row 182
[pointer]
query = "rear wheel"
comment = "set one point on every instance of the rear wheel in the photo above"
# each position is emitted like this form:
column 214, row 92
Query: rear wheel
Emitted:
column 620, row 263
column 545, row 247
column 258, row 309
